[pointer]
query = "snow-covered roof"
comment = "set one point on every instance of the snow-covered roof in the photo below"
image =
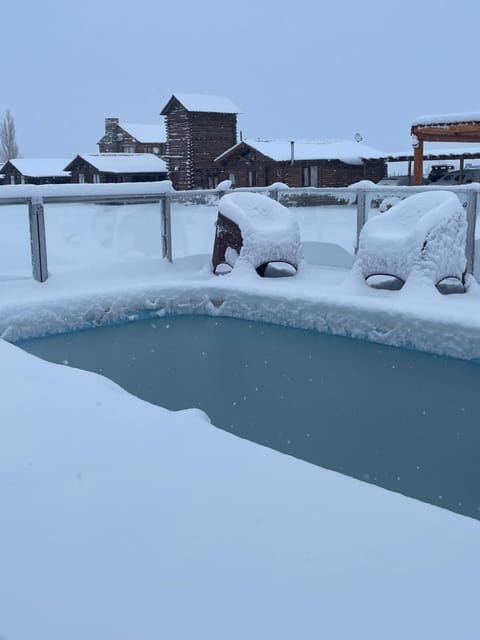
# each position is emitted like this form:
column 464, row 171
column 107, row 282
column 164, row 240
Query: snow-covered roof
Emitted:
column 447, row 118
column 125, row 162
column 41, row 167
column 144, row 132
column 347, row 151
column 206, row 103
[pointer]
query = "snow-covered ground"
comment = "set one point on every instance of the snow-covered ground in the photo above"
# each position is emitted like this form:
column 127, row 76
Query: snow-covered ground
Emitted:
column 123, row 520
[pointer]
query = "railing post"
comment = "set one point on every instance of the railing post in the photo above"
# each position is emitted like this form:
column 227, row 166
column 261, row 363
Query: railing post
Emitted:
column 166, row 228
column 471, row 211
column 38, row 243
column 361, row 214
column 273, row 194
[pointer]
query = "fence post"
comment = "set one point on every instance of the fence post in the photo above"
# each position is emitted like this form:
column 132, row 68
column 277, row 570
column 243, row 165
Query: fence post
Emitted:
column 166, row 228
column 471, row 211
column 38, row 242
column 361, row 214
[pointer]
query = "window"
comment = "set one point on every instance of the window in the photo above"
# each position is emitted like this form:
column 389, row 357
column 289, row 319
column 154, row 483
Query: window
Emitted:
column 252, row 178
column 128, row 149
column 81, row 178
column 96, row 178
column 231, row 177
column 12, row 179
column 305, row 177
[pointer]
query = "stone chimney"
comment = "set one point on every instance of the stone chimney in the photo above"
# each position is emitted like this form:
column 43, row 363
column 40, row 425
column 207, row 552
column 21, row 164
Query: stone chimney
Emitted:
column 109, row 142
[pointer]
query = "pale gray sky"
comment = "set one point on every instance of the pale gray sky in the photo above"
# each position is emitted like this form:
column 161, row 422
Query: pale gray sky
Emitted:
column 302, row 69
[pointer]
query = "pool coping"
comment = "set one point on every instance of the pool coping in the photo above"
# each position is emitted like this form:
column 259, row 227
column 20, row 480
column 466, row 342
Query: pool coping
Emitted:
column 443, row 325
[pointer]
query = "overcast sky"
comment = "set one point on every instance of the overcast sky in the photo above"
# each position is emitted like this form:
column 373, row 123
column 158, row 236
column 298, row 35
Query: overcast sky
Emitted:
column 299, row 69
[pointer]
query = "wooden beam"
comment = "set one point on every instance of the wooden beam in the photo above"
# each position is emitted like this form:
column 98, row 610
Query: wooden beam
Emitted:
column 448, row 137
column 471, row 127
column 418, row 163
column 460, row 176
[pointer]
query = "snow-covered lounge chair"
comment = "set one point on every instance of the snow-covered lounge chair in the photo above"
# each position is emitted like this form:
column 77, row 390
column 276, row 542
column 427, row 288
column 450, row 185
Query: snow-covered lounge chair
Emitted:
column 254, row 229
column 421, row 238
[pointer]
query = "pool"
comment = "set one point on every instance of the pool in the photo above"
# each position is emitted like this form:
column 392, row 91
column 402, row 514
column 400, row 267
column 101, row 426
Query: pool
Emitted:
column 404, row 420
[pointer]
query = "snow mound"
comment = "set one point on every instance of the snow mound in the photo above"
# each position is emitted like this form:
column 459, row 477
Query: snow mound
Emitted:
column 270, row 232
column 424, row 235
column 225, row 185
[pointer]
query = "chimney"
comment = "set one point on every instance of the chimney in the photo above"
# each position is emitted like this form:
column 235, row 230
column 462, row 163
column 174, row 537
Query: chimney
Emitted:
column 111, row 125
column 292, row 152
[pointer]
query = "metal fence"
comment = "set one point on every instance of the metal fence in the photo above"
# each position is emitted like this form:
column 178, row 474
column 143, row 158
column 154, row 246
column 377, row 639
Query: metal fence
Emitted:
column 36, row 197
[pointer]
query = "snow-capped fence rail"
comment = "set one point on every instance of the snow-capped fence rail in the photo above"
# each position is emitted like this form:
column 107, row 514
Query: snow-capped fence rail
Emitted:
column 363, row 195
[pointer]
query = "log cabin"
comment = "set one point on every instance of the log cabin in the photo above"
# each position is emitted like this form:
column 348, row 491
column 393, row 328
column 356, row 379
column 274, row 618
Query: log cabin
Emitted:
column 305, row 163
column 35, row 171
column 123, row 137
column 117, row 167
column 199, row 128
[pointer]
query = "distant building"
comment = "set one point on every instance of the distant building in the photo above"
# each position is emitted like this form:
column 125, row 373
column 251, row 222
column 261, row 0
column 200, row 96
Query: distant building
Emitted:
column 123, row 137
column 117, row 167
column 306, row 163
column 199, row 128
column 35, row 171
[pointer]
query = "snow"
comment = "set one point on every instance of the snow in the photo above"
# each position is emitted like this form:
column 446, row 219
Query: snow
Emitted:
column 25, row 191
column 447, row 118
column 347, row 151
column 224, row 185
column 125, row 162
column 123, row 520
column 42, row 167
column 206, row 103
column 144, row 132
column 270, row 232
column 421, row 236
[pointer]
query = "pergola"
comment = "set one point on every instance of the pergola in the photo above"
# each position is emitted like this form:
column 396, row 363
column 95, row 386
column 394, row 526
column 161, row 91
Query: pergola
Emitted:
column 461, row 127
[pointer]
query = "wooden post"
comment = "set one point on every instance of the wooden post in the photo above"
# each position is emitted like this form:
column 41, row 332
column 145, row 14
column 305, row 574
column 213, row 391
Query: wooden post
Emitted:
column 409, row 173
column 418, row 163
column 460, row 173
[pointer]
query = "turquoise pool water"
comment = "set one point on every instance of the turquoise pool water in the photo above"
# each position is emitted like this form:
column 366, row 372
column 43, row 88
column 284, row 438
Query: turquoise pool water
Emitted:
column 403, row 420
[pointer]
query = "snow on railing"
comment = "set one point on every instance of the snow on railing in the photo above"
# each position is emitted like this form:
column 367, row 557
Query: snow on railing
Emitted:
column 162, row 193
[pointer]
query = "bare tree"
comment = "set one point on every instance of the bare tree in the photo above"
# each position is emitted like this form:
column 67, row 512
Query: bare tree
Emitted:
column 8, row 144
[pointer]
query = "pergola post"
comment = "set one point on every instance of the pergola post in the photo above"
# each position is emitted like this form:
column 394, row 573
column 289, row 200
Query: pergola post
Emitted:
column 418, row 162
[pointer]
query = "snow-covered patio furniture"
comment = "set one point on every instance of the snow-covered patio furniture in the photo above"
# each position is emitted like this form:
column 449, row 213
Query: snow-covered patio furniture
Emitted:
column 422, row 237
column 254, row 229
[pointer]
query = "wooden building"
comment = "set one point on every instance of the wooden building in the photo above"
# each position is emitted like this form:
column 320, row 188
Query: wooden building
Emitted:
column 307, row 163
column 199, row 128
column 123, row 137
column 35, row 171
column 117, row 167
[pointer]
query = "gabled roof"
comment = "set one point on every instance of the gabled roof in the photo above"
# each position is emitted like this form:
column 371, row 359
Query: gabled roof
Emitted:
column 347, row 151
column 201, row 103
column 123, row 162
column 144, row 132
column 40, row 167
